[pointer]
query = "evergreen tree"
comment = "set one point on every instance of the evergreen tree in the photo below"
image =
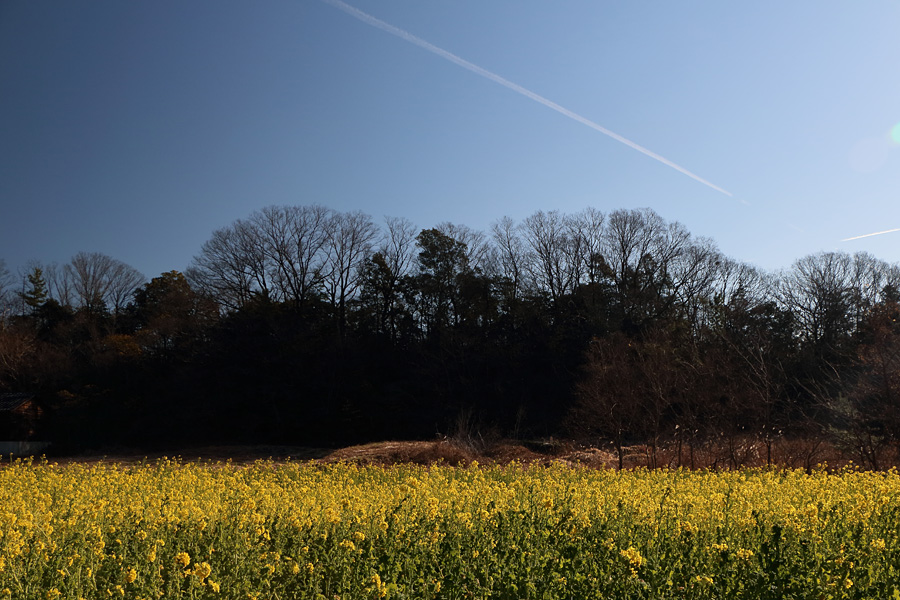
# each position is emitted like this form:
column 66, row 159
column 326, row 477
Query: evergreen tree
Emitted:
column 36, row 294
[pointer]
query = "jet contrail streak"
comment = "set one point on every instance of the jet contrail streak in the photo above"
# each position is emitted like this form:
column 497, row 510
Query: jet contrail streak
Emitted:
column 859, row 237
column 370, row 20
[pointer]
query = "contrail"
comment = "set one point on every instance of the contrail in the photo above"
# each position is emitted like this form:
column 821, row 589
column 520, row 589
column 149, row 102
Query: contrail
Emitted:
column 859, row 237
column 370, row 20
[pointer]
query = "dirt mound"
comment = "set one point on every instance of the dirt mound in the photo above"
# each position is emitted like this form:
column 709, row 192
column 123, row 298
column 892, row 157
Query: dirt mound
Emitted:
column 504, row 453
column 444, row 451
column 452, row 453
column 591, row 457
column 388, row 453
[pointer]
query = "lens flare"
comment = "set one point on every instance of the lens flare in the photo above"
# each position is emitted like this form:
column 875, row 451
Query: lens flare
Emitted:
column 895, row 133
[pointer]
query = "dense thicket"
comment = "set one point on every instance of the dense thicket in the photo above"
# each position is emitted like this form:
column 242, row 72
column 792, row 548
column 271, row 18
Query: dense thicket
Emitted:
column 303, row 325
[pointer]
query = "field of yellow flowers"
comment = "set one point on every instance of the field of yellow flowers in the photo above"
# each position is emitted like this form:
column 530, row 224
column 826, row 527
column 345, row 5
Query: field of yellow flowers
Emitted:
column 296, row 530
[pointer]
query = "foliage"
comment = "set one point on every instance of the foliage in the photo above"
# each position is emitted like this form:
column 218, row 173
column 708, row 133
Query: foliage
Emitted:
column 36, row 293
column 305, row 325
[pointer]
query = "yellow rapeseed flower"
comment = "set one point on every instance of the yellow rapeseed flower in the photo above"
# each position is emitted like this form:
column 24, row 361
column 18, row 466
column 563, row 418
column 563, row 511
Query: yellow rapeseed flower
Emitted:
column 633, row 557
column 202, row 570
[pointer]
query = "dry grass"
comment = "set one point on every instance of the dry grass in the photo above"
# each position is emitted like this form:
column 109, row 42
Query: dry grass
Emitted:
column 444, row 451
column 448, row 451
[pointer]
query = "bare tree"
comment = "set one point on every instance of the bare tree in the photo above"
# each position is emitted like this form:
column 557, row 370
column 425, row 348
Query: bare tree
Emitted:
column 349, row 243
column 832, row 292
column 587, row 227
column 641, row 250
column 757, row 337
column 630, row 236
column 510, row 253
column 693, row 274
column 737, row 279
column 384, row 273
column 399, row 246
column 292, row 253
column 88, row 272
column 550, row 264
column 231, row 267
column 662, row 374
column 608, row 404
column 6, row 293
column 868, row 279
column 871, row 415
column 294, row 241
column 101, row 282
column 17, row 346
column 645, row 390
column 123, row 280
column 60, row 283
column 478, row 250
column 819, row 291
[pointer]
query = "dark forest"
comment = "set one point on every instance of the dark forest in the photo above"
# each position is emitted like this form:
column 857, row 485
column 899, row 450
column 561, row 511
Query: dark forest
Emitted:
column 301, row 325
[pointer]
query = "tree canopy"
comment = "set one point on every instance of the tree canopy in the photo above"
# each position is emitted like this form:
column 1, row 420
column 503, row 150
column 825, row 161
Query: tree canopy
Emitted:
column 306, row 325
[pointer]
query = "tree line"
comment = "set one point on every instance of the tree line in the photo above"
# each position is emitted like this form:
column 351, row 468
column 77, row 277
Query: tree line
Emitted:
column 304, row 325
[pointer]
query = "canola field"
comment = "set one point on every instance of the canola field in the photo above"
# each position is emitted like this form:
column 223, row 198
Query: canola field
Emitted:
column 303, row 531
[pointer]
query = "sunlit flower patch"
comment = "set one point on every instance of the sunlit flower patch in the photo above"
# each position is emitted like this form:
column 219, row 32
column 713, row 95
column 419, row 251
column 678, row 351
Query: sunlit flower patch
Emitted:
column 266, row 531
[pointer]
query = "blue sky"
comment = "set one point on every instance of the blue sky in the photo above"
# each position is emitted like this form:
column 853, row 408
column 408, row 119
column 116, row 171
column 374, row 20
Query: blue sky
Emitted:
column 137, row 128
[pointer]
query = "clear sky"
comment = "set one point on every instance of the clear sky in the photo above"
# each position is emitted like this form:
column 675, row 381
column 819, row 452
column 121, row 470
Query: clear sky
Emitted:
column 137, row 128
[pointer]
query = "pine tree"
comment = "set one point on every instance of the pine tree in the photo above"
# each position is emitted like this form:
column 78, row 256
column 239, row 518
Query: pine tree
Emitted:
column 36, row 295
